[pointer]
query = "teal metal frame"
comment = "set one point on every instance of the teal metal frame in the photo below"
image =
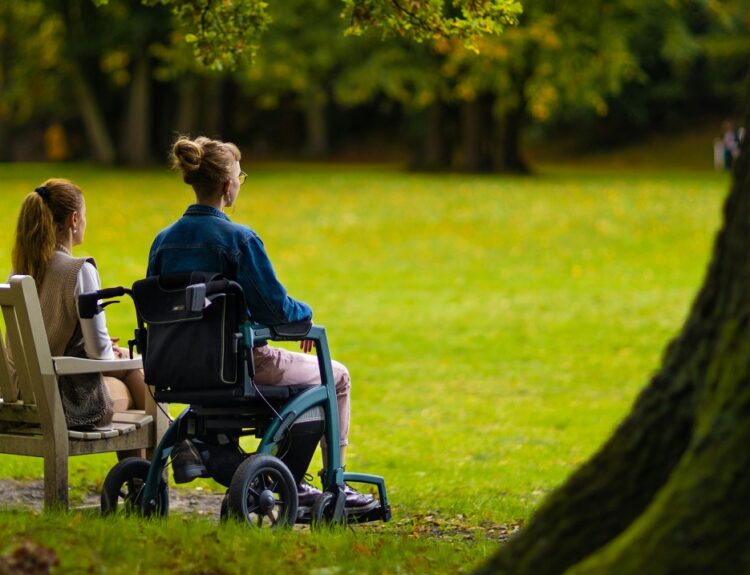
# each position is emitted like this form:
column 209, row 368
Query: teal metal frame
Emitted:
column 333, row 476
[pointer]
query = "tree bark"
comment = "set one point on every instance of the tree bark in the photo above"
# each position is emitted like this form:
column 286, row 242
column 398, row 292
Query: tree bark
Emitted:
column 471, row 134
column 97, row 133
column 138, row 130
column 187, row 94
column 317, row 145
column 476, row 134
column 435, row 153
column 213, row 87
column 5, row 148
column 670, row 490
column 508, row 156
column 5, row 65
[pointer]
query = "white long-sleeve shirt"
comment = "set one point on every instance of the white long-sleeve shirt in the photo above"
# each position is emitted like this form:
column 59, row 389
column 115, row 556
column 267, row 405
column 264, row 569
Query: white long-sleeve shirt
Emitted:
column 96, row 340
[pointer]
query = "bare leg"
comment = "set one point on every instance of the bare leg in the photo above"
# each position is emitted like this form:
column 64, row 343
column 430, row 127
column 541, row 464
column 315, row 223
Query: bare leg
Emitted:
column 122, row 400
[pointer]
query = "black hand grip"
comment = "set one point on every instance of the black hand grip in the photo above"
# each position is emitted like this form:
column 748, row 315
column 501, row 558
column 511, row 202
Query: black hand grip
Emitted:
column 111, row 292
column 88, row 303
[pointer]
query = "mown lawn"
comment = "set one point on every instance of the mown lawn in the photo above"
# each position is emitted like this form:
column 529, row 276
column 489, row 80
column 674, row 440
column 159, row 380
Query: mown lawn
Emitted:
column 496, row 328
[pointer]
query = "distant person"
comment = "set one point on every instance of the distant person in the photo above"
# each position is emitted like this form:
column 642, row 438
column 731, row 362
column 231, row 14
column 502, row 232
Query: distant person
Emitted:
column 205, row 239
column 731, row 142
column 52, row 221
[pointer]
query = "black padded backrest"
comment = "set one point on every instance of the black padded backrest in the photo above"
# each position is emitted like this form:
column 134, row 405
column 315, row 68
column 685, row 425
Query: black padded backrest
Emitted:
column 186, row 349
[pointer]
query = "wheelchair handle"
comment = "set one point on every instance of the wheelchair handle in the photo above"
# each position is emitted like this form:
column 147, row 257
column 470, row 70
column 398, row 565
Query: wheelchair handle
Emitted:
column 88, row 303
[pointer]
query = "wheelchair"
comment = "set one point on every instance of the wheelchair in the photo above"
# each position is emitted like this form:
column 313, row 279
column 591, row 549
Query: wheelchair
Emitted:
column 196, row 339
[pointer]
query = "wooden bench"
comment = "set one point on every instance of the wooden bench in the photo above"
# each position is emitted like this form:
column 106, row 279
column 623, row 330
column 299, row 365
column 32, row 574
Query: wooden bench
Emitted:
column 32, row 421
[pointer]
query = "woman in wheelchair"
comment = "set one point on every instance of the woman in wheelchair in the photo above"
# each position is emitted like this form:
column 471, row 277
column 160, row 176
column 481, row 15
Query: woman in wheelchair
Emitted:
column 51, row 222
column 205, row 239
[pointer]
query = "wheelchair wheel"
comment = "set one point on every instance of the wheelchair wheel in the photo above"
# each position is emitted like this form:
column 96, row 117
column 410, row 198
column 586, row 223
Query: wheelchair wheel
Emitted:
column 124, row 484
column 263, row 493
column 322, row 514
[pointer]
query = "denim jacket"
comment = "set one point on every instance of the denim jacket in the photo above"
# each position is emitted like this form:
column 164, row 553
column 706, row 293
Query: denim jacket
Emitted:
column 204, row 239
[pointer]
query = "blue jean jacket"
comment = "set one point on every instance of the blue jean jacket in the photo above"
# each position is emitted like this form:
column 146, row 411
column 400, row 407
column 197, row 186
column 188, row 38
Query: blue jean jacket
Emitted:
column 204, row 239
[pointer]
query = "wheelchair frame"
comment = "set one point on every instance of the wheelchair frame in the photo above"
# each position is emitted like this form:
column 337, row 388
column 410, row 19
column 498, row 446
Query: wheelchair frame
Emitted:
column 331, row 505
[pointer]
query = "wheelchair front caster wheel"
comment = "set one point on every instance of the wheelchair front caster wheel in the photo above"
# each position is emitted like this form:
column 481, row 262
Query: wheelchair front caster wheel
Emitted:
column 263, row 493
column 323, row 512
column 124, row 485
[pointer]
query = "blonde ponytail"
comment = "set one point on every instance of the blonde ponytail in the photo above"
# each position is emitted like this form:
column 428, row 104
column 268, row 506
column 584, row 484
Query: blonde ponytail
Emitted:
column 41, row 223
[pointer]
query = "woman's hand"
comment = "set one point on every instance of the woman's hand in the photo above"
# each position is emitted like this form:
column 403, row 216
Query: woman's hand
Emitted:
column 307, row 345
column 121, row 352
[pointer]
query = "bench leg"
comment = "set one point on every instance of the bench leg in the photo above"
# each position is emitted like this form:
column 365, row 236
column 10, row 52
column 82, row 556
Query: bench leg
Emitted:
column 55, row 481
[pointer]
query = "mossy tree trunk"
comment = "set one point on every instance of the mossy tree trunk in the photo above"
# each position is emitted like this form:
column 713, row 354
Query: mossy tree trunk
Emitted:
column 669, row 492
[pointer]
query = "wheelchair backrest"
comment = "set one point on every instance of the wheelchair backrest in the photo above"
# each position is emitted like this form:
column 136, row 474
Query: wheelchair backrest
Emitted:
column 189, row 332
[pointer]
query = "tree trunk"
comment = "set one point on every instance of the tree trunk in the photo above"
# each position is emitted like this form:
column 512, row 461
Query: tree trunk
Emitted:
column 471, row 134
column 317, row 124
column 476, row 134
column 138, row 130
column 508, row 156
column 435, row 152
column 5, row 150
column 211, row 116
column 5, row 64
column 670, row 490
column 97, row 134
column 187, row 94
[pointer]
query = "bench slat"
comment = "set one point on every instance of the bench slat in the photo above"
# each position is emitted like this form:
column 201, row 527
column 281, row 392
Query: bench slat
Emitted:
column 137, row 419
column 74, row 365
column 91, row 435
column 19, row 356
column 124, row 428
column 8, row 387
column 18, row 412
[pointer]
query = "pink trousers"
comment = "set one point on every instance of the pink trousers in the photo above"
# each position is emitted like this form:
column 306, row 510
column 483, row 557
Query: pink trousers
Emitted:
column 277, row 366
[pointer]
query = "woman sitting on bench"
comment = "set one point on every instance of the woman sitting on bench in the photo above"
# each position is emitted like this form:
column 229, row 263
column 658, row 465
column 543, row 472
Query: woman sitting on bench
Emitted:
column 52, row 221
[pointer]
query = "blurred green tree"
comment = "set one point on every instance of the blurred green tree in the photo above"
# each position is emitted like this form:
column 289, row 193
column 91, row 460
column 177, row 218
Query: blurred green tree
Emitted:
column 562, row 58
column 301, row 61
column 223, row 33
column 692, row 65
column 30, row 81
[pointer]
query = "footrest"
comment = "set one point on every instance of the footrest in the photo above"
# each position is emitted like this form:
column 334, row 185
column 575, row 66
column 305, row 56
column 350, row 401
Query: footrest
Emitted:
column 377, row 513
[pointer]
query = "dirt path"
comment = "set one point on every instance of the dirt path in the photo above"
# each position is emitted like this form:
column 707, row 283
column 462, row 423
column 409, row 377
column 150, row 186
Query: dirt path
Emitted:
column 30, row 494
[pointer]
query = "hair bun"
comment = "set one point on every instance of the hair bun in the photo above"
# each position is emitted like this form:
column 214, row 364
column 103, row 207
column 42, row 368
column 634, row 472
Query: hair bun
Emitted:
column 188, row 154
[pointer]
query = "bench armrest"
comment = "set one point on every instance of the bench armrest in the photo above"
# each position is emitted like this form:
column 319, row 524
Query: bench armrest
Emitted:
column 73, row 365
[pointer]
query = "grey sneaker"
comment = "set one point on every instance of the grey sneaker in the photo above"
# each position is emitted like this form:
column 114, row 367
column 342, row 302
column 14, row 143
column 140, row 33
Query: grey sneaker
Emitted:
column 187, row 463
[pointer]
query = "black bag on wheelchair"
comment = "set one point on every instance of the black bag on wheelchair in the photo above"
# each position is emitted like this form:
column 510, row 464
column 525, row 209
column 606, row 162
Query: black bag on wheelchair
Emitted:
column 192, row 319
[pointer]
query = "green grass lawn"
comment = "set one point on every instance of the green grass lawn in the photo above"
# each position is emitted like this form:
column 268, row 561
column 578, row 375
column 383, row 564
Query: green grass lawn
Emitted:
column 496, row 329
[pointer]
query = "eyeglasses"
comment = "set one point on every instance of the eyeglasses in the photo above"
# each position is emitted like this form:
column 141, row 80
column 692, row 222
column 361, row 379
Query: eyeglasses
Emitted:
column 242, row 177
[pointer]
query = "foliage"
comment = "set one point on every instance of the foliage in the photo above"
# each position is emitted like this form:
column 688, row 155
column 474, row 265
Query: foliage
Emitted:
column 431, row 19
column 295, row 57
column 495, row 327
column 223, row 33
column 30, row 44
